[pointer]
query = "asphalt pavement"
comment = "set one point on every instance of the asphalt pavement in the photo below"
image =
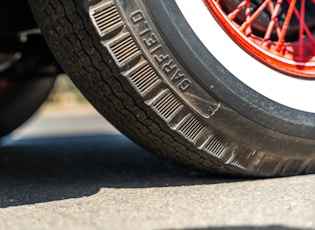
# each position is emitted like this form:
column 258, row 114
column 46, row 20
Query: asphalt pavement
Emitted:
column 67, row 168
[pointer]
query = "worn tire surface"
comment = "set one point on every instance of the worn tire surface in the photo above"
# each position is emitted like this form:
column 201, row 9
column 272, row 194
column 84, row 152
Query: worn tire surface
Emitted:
column 117, row 55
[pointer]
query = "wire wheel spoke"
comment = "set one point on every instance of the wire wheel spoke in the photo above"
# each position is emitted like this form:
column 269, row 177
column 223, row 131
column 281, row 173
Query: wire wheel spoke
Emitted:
column 280, row 33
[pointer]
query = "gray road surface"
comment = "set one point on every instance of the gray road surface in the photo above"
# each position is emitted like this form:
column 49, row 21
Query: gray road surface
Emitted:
column 68, row 169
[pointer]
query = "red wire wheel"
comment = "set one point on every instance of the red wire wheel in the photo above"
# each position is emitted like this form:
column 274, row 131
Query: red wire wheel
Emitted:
column 279, row 33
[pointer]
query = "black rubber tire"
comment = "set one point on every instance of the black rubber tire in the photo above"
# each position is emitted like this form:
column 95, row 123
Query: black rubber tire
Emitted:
column 148, row 77
column 21, row 101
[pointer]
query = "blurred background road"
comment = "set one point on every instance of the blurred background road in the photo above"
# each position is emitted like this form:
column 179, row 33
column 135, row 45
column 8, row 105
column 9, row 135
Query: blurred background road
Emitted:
column 67, row 168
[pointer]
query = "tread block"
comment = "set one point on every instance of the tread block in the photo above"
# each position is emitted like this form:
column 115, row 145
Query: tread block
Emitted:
column 242, row 157
column 311, row 167
column 191, row 128
column 105, row 18
column 123, row 49
column 216, row 145
column 143, row 78
column 292, row 166
column 167, row 106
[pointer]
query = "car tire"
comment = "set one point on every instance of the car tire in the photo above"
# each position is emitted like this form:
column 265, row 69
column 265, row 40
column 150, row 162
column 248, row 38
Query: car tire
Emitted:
column 147, row 69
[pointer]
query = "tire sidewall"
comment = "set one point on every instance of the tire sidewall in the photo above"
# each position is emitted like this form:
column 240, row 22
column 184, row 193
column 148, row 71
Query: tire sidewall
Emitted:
column 257, row 120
